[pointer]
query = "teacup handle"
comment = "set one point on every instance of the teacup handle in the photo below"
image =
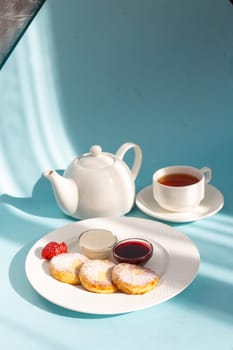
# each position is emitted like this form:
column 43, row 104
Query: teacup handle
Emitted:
column 207, row 173
column 137, row 156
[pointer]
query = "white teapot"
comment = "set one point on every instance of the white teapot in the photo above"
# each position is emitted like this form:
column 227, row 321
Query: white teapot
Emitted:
column 97, row 184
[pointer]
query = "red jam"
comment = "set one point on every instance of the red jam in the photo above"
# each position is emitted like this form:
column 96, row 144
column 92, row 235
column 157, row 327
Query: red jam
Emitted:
column 134, row 251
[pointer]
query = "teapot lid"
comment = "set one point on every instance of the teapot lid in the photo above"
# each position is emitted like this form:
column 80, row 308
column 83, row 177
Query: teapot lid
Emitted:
column 96, row 158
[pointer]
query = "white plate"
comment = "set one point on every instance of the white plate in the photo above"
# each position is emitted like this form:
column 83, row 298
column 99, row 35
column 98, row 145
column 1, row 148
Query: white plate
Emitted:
column 211, row 204
column 176, row 261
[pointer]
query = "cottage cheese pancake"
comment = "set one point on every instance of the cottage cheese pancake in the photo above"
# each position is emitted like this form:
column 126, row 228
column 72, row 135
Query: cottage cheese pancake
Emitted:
column 96, row 276
column 134, row 279
column 65, row 267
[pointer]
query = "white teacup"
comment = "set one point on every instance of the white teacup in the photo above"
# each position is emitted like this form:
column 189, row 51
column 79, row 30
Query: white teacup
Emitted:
column 180, row 188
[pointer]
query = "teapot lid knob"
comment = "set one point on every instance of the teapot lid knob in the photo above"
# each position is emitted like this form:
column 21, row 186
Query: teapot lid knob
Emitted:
column 95, row 150
column 96, row 159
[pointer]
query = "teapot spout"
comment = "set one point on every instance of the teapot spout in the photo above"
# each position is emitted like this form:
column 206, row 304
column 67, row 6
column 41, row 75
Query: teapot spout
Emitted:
column 65, row 191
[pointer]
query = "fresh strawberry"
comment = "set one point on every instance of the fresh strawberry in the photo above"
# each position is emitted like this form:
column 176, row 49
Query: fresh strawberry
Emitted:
column 53, row 248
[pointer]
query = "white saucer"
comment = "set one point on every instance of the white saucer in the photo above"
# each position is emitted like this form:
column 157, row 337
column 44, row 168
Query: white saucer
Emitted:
column 210, row 205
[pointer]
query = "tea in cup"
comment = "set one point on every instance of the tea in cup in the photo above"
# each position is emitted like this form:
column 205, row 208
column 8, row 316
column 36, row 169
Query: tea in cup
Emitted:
column 180, row 188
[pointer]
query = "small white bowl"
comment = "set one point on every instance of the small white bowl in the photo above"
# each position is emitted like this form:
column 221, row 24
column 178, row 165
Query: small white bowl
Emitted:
column 97, row 243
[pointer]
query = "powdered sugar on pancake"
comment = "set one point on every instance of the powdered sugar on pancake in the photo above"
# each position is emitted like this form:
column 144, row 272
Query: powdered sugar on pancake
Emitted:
column 134, row 274
column 67, row 261
column 98, row 271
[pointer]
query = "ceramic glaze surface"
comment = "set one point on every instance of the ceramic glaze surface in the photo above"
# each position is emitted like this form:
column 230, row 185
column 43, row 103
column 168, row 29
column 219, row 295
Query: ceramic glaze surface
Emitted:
column 181, row 198
column 97, row 184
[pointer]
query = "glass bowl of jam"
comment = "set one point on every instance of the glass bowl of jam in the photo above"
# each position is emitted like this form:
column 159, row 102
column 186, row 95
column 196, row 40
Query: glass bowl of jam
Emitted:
column 133, row 250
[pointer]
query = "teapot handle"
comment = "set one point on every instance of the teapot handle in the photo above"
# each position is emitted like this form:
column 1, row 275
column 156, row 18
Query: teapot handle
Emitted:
column 137, row 156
